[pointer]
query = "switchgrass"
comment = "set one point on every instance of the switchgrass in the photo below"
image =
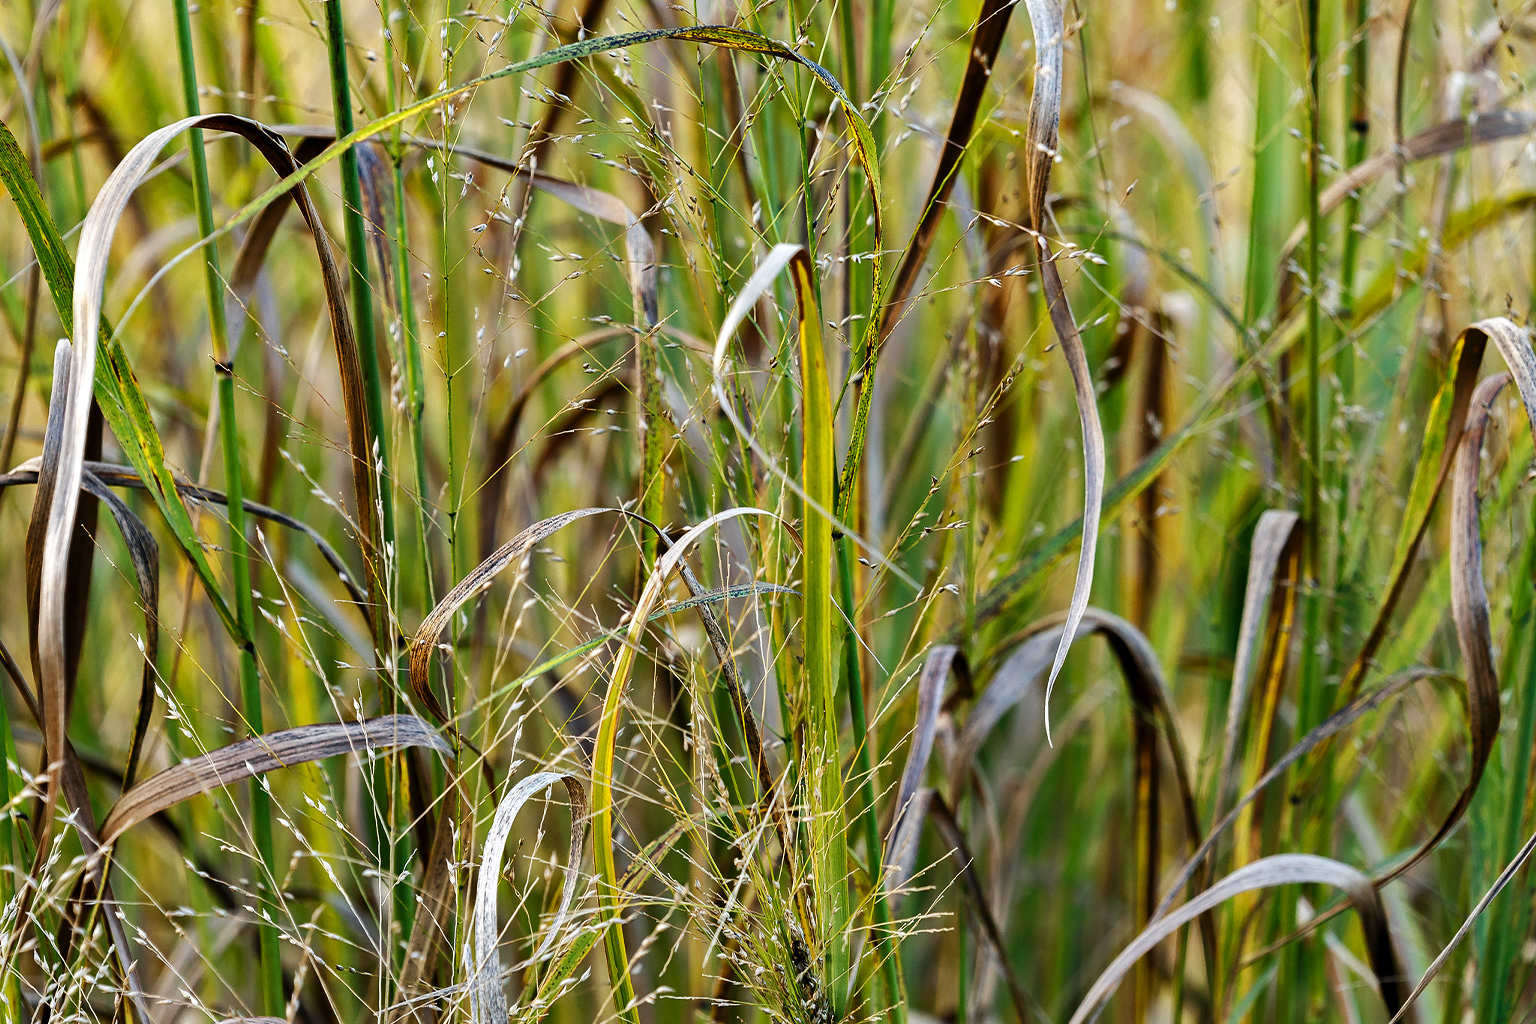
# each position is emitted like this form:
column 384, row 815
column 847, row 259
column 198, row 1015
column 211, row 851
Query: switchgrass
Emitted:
column 800, row 512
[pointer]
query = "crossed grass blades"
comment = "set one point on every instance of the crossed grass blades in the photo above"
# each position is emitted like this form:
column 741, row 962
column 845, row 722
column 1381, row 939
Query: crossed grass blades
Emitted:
column 611, row 554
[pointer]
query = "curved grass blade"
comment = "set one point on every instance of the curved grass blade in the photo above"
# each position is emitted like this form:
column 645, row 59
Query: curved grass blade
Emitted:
column 1448, row 137
column 1009, row 685
column 1275, row 538
column 1445, row 422
column 144, row 553
column 1145, row 684
column 1327, row 730
column 1045, row 17
column 1469, row 609
column 114, row 475
column 906, row 825
column 122, row 402
column 610, row 897
column 1267, row 873
column 488, row 1003
column 95, row 244
column 248, row 758
column 1148, row 689
column 425, row 644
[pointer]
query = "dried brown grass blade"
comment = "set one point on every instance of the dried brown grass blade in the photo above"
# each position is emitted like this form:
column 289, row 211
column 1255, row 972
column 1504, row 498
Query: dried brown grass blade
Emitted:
column 260, row 754
column 1148, row 690
column 1333, row 726
column 965, row 864
column 257, row 243
column 1447, row 137
column 144, row 553
column 77, row 573
column 479, row 579
column 1009, row 685
column 1442, row 434
column 90, row 279
column 1469, row 604
column 1268, row 873
column 1145, row 684
column 115, row 475
column 1274, row 538
column 52, row 689
column 901, row 844
column 1045, row 17
column 986, row 39
column 488, row 1002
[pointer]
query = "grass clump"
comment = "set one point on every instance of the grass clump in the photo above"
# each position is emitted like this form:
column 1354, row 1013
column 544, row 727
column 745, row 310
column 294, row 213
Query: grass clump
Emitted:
column 794, row 512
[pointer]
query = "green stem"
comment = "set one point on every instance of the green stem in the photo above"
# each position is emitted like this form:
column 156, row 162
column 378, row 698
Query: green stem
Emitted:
column 271, row 967
column 886, row 951
column 362, row 294
column 1313, row 471
column 11, row 1007
column 1493, row 995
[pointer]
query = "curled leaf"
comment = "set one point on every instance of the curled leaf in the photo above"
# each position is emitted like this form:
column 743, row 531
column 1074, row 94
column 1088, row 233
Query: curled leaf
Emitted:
column 1045, row 18
column 488, row 1003
column 1274, row 538
column 901, row 845
column 259, row 755
column 1267, row 873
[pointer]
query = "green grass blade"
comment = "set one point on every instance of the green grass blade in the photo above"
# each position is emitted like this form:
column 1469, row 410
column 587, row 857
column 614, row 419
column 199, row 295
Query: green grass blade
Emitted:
column 271, row 968
column 829, row 839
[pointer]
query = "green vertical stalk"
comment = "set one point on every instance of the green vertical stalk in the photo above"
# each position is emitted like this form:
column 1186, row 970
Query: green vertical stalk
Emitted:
column 1265, row 230
column 386, row 771
column 823, row 761
column 415, row 396
column 856, row 272
column 1299, row 963
column 886, row 951
column 270, row 1000
column 881, row 26
column 453, row 344
column 357, row 261
column 1313, row 470
column 1504, row 935
column 410, row 344
column 1356, row 88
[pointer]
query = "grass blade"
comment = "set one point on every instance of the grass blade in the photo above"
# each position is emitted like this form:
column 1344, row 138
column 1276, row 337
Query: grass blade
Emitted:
column 1274, row 540
column 1268, row 873
column 487, row 1000
column 258, row 755
column 1045, row 17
